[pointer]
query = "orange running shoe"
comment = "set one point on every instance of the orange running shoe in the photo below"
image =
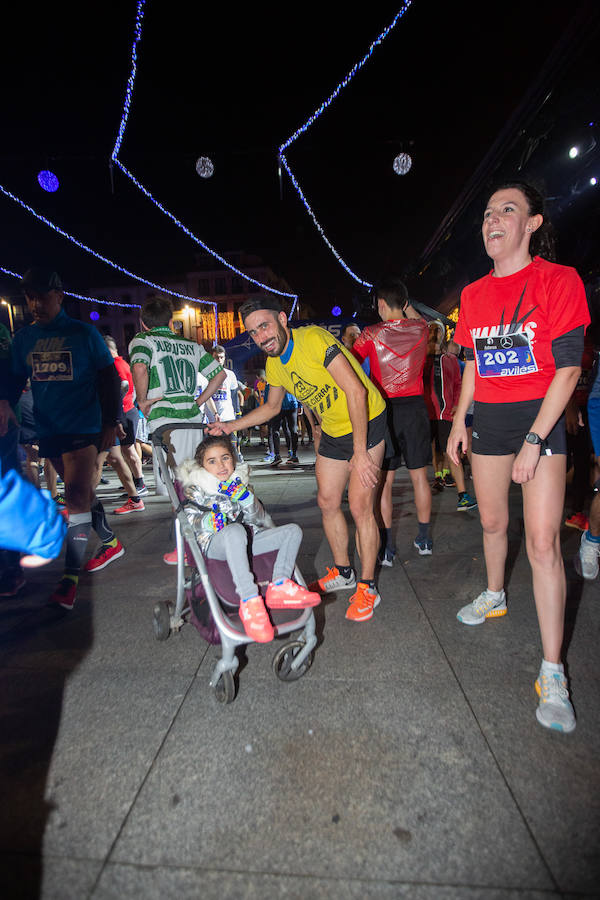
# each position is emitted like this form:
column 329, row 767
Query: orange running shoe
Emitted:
column 289, row 595
column 255, row 620
column 170, row 558
column 362, row 603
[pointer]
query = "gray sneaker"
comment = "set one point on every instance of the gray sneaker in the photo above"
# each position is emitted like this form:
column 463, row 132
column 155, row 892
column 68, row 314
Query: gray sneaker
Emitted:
column 386, row 557
column 586, row 560
column 554, row 709
column 333, row 581
column 483, row 607
column 425, row 546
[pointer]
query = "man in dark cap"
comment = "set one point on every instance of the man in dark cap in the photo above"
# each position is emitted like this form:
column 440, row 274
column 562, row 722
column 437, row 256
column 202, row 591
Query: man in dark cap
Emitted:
column 324, row 376
column 77, row 401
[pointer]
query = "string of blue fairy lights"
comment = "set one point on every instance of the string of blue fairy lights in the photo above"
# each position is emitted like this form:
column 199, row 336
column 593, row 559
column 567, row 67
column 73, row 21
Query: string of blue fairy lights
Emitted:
column 313, row 118
column 104, row 259
column 80, row 296
column 137, row 36
column 115, row 159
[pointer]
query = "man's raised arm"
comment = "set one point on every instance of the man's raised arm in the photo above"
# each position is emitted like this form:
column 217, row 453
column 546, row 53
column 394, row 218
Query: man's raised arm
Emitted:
column 257, row 416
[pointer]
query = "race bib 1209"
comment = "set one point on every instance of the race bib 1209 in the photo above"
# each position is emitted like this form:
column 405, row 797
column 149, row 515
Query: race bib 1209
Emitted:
column 505, row 354
column 51, row 365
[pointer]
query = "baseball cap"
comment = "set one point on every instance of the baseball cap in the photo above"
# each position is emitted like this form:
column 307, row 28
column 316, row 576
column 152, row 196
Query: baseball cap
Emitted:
column 41, row 280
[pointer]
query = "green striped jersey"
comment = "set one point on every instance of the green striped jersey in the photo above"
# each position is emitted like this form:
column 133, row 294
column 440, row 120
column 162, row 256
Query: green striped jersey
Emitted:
column 173, row 363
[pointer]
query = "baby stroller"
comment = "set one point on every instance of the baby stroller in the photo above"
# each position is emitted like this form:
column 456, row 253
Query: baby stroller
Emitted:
column 207, row 595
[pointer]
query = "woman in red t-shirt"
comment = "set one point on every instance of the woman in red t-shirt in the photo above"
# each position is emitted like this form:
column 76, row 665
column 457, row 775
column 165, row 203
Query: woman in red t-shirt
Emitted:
column 522, row 327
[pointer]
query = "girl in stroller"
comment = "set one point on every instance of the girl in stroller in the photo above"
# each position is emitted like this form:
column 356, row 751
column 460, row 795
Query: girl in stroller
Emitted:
column 223, row 511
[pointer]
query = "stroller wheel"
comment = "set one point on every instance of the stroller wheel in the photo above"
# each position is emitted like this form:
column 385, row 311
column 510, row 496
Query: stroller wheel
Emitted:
column 225, row 688
column 282, row 662
column 161, row 621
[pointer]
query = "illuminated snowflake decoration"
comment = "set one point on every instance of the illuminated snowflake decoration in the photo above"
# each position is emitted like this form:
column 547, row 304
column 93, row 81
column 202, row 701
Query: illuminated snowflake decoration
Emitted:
column 205, row 167
column 47, row 181
column 402, row 164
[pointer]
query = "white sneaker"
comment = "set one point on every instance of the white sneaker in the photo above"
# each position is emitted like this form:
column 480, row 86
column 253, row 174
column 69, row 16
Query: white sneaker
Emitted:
column 483, row 607
column 586, row 560
column 554, row 709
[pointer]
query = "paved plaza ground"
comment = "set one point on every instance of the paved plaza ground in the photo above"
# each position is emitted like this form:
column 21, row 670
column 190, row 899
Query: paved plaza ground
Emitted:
column 407, row 762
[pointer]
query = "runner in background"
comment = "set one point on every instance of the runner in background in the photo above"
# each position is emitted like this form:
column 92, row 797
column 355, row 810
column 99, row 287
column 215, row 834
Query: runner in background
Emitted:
column 396, row 349
column 260, row 386
column 76, row 405
column 442, row 383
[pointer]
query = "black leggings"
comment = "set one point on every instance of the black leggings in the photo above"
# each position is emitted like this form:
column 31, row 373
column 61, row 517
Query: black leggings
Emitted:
column 287, row 419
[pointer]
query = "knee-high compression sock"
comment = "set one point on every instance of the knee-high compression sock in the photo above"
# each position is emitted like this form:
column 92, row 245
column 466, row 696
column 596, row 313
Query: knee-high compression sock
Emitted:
column 99, row 523
column 78, row 532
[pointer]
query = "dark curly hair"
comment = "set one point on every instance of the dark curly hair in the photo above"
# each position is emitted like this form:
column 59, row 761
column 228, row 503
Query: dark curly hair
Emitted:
column 542, row 241
column 214, row 440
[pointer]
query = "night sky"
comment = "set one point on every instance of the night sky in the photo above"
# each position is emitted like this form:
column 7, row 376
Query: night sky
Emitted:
column 233, row 84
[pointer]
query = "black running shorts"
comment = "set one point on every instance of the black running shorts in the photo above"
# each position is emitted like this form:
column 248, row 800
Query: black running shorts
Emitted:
column 499, row 429
column 407, row 436
column 56, row 444
column 129, row 422
column 343, row 447
column 440, row 432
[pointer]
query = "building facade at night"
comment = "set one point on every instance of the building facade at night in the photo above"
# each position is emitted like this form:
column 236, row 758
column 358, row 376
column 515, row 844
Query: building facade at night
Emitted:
column 205, row 279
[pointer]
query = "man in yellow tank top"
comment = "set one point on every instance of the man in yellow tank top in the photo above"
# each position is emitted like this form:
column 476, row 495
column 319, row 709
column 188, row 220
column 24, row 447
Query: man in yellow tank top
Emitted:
column 313, row 366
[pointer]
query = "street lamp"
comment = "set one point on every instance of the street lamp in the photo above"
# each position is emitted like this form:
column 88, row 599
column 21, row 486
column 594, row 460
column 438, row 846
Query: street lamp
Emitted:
column 10, row 316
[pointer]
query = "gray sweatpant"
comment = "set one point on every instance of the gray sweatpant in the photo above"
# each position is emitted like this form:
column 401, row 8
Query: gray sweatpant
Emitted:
column 231, row 545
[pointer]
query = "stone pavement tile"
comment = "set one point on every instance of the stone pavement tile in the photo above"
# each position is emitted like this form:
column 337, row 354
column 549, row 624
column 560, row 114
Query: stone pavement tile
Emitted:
column 122, row 630
column 554, row 778
column 113, row 612
column 68, row 879
column 121, row 882
column 60, row 878
column 17, row 610
column 29, row 722
column 333, row 780
column 111, row 727
column 592, row 895
column 397, row 642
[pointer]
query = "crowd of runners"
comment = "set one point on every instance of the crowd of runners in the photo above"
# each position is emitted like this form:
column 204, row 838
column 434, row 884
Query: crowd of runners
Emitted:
column 492, row 400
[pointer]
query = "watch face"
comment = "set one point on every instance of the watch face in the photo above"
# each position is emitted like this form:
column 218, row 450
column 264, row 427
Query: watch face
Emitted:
column 532, row 438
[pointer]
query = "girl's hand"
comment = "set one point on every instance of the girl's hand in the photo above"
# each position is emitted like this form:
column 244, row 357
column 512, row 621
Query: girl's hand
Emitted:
column 235, row 490
column 213, row 521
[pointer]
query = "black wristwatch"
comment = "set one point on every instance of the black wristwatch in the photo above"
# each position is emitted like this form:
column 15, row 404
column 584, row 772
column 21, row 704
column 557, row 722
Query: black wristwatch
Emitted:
column 532, row 438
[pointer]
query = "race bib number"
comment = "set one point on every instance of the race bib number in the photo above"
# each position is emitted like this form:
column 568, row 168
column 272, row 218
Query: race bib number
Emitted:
column 504, row 355
column 51, row 365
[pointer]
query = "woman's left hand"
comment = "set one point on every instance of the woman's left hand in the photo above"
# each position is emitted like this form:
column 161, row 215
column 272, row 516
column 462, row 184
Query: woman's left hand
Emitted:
column 526, row 462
